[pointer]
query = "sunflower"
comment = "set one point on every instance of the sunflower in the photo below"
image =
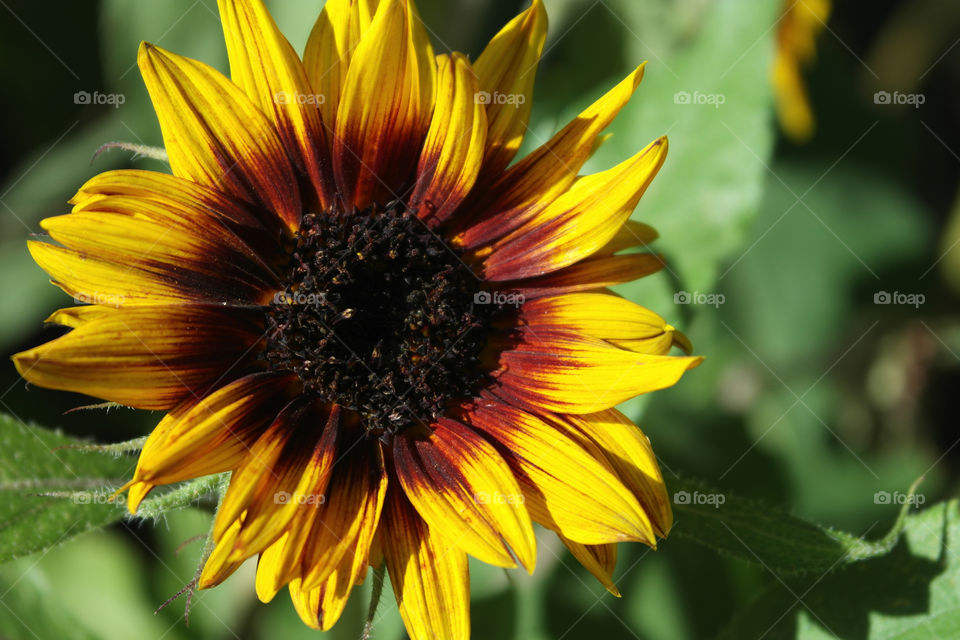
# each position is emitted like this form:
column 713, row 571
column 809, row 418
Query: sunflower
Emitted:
column 800, row 24
column 399, row 344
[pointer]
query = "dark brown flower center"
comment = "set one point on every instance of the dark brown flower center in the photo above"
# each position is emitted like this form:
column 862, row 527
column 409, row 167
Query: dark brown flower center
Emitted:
column 380, row 316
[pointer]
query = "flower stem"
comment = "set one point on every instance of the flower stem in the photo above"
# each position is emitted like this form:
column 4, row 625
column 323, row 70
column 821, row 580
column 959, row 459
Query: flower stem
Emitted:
column 378, row 575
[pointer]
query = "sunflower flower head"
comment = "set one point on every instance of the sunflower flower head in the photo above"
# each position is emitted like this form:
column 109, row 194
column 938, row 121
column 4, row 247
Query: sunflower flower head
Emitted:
column 398, row 341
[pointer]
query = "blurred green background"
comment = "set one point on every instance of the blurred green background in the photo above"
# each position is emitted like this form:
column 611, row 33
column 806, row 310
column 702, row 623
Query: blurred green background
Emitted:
column 813, row 396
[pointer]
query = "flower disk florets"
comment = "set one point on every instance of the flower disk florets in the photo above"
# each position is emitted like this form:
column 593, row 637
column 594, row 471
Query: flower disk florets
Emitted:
column 379, row 316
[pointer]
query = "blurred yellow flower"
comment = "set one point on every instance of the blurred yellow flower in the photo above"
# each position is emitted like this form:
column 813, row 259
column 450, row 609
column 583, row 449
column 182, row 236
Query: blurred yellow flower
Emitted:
column 800, row 24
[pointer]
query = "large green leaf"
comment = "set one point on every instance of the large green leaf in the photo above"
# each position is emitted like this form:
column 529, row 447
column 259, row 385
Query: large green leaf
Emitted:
column 770, row 537
column 49, row 494
column 909, row 594
column 706, row 89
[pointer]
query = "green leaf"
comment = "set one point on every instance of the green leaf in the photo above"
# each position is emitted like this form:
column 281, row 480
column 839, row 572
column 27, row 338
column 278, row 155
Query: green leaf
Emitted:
column 709, row 190
column 54, row 487
column 908, row 594
column 707, row 193
column 50, row 494
column 770, row 537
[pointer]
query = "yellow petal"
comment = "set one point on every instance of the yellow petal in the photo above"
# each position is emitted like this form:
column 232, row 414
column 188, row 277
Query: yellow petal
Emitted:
column 345, row 524
column 110, row 284
column 631, row 234
column 269, row 468
column 136, row 492
column 465, row 492
column 506, row 69
column 330, row 48
column 266, row 67
column 546, row 172
column 213, row 434
column 797, row 32
column 208, row 263
column 321, row 606
column 579, row 222
column 143, row 357
column 567, row 372
column 454, row 147
column 599, row 559
column 298, row 485
column 216, row 136
column 569, row 488
column 210, row 205
column 608, row 317
column 189, row 204
column 334, row 593
column 385, row 107
column 793, row 104
column 628, row 451
column 74, row 317
column 218, row 567
column 269, row 577
column 429, row 575
column 307, row 603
